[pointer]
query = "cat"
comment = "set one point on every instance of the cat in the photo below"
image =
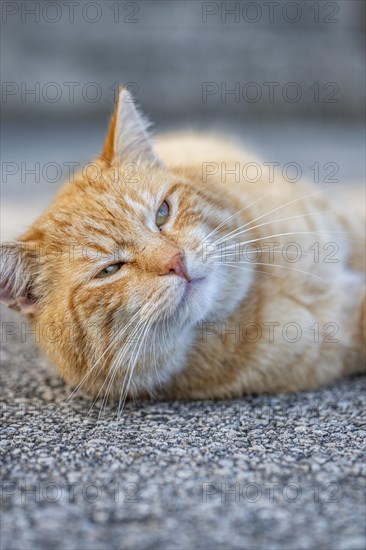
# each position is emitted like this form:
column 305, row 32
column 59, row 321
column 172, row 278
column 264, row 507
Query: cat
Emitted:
column 164, row 270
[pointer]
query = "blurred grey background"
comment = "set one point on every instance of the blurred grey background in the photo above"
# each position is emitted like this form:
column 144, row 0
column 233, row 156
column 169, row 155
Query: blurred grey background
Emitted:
column 286, row 78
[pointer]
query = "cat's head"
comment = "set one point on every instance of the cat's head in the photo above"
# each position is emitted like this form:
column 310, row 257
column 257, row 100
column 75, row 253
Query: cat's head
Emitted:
column 115, row 270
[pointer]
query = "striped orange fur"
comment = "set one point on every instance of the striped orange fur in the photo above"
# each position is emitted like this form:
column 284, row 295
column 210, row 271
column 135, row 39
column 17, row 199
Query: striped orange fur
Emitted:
column 160, row 272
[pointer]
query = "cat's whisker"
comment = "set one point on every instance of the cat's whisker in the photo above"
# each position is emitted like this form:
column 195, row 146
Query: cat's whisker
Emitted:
column 234, row 278
column 153, row 352
column 78, row 387
column 137, row 336
column 153, row 342
column 238, row 231
column 233, row 216
column 279, row 266
column 251, row 270
column 297, row 199
column 165, row 337
column 110, row 374
column 120, row 356
column 232, row 248
column 288, row 234
column 113, row 341
column 234, row 253
column 133, row 361
column 164, row 332
column 113, row 372
column 130, row 369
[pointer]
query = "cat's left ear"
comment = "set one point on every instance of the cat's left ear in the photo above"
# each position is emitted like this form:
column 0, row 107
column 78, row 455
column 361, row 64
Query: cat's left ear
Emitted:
column 127, row 139
column 18, row 271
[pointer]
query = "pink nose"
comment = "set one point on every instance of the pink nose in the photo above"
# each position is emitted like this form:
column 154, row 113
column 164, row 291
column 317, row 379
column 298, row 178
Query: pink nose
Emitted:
column 175, row 265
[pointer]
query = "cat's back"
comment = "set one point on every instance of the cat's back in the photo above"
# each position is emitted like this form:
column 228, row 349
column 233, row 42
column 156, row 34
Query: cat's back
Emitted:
column 190, row 148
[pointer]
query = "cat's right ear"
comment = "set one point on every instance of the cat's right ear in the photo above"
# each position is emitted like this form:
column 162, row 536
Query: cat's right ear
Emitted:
column 17, row 275
column 128, row 139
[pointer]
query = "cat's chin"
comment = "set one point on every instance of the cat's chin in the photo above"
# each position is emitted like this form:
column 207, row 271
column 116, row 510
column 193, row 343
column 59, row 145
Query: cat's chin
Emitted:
column 192, row 289
column 192, row 302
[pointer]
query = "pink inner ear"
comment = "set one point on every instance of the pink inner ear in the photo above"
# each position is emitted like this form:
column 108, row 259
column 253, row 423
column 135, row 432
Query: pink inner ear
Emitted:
column 14, row 279
column 25, row 305
column 20, row 303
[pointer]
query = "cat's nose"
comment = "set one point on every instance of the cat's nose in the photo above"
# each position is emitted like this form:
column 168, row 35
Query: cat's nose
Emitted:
column 175, row 265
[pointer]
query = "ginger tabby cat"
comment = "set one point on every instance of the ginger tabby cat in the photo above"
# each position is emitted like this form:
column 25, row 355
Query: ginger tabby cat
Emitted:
column 162, row 270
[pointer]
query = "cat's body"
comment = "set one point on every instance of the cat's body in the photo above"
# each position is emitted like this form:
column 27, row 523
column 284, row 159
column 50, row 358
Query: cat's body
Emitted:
column 244, row 287
column 292, row 330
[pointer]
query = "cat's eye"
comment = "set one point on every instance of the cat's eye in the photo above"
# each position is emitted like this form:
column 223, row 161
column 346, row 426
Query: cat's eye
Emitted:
column 162, row 214
column 109, row 270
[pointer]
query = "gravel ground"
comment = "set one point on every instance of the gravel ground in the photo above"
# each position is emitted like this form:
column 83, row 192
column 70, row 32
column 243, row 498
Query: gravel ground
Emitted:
column 273, row 472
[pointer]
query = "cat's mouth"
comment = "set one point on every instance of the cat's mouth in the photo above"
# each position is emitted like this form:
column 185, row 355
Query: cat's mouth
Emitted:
column 191, row 290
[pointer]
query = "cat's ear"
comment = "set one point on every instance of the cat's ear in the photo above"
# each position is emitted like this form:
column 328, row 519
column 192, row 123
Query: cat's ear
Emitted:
column 16, row 277
column 127, row 139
